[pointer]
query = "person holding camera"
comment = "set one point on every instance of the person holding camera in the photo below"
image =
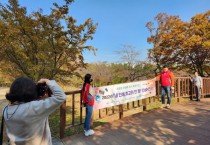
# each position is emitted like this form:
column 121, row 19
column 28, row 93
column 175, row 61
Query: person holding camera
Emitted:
column 166, row 78
column 26, row 116
column 88, row 100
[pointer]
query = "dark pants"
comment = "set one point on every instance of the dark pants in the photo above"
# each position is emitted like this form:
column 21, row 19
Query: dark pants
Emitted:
column 165, row 90
column 198, row 92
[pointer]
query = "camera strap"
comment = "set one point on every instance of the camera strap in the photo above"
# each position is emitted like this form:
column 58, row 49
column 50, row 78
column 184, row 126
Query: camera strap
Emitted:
column 2, row 127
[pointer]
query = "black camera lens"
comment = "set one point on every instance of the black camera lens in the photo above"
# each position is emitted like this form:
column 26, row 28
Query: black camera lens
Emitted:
column 41, row 89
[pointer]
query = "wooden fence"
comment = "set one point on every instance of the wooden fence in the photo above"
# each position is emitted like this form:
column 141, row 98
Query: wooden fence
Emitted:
column 74, row 109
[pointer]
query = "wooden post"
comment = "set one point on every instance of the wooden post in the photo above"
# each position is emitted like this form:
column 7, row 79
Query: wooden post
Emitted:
column 62, row 119
column 178, row 90
column 128, row 106
column 106, row 111
column 186, row 85
column 154, row 98
column 100, row 113
column 202, row 92
column 149, row 100
column 73, row 108
column 112, row 109
column 81, row 106
column 138, row 103
column 144, row 101
column 191, row 89
column 175, row 88
column 121, row 111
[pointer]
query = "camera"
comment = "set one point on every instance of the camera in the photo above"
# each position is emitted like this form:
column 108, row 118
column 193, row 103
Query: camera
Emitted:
column 43, row 89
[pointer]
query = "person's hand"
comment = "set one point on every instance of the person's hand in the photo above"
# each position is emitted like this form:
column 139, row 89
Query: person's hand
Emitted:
column 172, row 88
column 44, row 97
column 43, row 81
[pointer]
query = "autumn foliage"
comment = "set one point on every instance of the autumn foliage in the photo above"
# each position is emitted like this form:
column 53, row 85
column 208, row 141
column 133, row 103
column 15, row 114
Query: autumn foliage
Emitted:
column 39, row 45
column 181, row 45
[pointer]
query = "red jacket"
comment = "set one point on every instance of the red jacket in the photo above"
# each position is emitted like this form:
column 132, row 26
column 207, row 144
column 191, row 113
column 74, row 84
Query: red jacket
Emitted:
column 166, row 78
column 86, row 96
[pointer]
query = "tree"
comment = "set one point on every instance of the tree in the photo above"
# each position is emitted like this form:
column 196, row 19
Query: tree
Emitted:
column 182, row 45
column 129, row 57
column 38, row 45
column 165, row 46
column 197, row 44
column 134, row 69
column 102, row 73
column 155, row 39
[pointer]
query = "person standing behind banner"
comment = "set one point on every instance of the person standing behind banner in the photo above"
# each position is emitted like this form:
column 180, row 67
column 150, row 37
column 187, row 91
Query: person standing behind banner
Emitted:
column 166, row 78
column 197, row 80
column 88, row 100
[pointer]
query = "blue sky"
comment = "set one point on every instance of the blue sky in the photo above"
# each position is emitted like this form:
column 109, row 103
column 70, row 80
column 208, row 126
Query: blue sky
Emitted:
column 121, row 22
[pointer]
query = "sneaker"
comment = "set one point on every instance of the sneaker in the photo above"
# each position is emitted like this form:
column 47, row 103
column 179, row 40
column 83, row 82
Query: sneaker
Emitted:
column 89, row 132
column 92, row 131
column 168, row 106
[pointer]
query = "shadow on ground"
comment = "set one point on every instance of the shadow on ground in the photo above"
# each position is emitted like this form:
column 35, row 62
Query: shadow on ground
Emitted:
column 184, row 123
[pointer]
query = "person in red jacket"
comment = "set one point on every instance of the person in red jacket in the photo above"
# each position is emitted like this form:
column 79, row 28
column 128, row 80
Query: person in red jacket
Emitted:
column 88, row 101
column 166, row 78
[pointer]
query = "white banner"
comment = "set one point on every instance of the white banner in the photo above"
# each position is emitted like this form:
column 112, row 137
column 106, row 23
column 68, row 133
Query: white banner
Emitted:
column 108, row 96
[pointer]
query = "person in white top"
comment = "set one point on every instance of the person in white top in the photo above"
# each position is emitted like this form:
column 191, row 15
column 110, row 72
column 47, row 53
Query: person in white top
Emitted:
column 197, row 80
column 26, row 116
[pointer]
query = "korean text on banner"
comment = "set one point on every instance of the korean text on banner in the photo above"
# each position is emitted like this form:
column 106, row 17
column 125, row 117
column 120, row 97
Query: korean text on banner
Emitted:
column 108, row 96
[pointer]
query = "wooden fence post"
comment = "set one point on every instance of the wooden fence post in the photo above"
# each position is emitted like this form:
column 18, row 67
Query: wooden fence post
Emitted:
column 202, row 92
column 62, row 119
column 178, row 90
column 73, row 108
column 144, row 101
column 191, row 90
column 120, row 111
column 81, row 106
